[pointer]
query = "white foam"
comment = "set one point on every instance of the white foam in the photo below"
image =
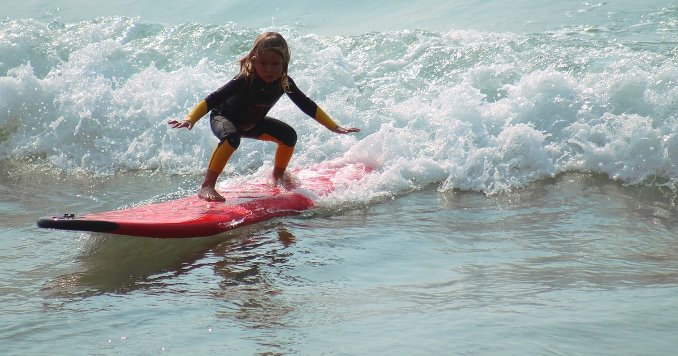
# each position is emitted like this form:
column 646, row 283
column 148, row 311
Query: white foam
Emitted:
column 457, row 110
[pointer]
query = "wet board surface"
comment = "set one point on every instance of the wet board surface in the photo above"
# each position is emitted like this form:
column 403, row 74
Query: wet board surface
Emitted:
column 246, row 203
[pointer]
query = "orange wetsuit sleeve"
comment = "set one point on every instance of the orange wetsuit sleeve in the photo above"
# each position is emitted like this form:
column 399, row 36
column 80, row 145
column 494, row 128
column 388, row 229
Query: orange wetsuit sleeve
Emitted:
column 198, row 111
column 324, row 119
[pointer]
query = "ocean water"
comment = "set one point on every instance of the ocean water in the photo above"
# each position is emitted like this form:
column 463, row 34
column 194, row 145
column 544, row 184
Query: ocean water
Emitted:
column 523, row 199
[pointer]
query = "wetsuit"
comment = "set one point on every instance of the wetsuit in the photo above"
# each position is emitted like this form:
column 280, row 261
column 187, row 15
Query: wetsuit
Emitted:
column 239, row 109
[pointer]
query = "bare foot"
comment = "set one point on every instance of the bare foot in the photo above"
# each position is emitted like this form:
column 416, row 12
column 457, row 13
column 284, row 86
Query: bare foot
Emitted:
column 287, row 181
column 210, row 194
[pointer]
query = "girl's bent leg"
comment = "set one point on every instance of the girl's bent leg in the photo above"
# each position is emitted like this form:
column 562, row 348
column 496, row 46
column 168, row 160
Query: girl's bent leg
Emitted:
column 220, row 157
column 283, row 154
column 274, row 130
column 217, row 163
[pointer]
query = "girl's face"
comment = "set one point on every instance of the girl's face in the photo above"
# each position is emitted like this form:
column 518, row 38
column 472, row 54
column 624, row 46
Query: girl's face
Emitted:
column 268, row 66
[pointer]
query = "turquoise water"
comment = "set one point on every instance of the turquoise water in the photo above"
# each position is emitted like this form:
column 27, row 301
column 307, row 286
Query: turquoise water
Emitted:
column 523, row 200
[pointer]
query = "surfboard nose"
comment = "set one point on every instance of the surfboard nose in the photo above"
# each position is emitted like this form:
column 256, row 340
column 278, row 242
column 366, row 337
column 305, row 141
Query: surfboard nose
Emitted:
column 71, row 222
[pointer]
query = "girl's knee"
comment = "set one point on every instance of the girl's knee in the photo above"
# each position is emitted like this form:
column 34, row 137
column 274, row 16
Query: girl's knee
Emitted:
column 232, row 139
column 291, row 138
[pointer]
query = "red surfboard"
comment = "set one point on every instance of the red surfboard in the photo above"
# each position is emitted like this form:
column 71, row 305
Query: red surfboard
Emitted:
column 191, row 216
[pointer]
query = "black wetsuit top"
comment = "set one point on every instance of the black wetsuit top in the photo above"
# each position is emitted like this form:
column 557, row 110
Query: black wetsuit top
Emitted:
column 246, row 102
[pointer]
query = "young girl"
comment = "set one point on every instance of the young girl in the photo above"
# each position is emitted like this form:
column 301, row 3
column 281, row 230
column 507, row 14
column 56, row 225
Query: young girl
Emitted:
column 239, row 109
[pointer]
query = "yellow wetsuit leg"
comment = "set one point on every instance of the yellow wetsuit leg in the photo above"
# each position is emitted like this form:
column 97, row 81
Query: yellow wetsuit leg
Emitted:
column 283, row 153
column 220, row 157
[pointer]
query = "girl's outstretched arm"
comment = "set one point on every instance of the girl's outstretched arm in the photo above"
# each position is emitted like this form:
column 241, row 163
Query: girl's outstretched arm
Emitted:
column 193, row 116
column 324, row 119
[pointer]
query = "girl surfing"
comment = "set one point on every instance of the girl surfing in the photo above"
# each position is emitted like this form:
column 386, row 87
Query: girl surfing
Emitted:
column 240, row 107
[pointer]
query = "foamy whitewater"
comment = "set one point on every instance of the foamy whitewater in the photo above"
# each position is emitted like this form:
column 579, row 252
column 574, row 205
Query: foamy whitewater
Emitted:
column 461, row 109
column 459, row 97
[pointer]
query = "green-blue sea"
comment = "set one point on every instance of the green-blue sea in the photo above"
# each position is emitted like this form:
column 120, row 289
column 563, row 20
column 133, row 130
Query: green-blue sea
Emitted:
column 523, row 200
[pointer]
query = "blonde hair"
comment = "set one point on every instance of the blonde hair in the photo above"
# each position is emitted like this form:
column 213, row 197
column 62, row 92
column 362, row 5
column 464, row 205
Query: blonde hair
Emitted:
column 267, row 41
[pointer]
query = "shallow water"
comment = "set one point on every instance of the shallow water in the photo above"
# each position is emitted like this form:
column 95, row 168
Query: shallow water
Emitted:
column 576, row 265
column 523, row 199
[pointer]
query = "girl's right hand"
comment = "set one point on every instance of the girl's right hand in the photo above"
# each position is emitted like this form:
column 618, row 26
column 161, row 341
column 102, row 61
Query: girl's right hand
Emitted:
column 179, row 124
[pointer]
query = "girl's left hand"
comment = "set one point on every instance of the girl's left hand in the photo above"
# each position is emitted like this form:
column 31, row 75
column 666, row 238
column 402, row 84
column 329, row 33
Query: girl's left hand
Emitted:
column 341, row 130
